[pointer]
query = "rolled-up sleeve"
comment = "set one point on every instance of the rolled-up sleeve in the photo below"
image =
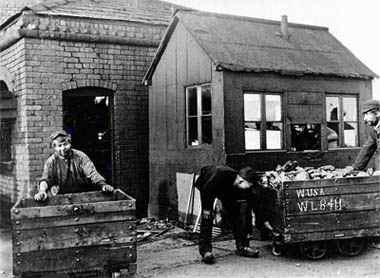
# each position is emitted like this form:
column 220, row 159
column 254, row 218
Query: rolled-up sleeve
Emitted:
column 48, row 174
column 366, row 152
column 91, row 173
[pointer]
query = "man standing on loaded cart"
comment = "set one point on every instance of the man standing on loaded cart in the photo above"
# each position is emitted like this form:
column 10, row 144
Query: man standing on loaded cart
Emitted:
column 68, row 170
column 228, row 186
column 371, row 111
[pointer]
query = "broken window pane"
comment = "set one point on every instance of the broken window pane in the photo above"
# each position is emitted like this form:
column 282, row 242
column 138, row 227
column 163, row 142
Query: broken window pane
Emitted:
column 332, row 135
column 305, row 137
column 252, row 136
column 332, row 108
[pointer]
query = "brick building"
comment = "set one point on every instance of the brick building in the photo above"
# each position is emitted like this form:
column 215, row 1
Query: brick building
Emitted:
column 77, row 65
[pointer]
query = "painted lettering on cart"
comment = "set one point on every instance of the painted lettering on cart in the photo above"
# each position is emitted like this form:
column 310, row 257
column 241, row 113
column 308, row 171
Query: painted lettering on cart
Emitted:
column 320, row 205
column 317, row 204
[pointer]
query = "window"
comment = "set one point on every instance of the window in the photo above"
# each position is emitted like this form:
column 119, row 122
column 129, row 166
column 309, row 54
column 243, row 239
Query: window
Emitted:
column 5, row 140
column 263, row 121
column 342, row 121
column 305, row 137
column 199, row 115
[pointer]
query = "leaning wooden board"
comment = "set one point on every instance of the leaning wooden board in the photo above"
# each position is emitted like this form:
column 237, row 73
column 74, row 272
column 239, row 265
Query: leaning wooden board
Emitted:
column 326, row 209
column 73, row 233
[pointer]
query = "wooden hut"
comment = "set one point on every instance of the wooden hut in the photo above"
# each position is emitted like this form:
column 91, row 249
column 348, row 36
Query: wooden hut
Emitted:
column 242, row 91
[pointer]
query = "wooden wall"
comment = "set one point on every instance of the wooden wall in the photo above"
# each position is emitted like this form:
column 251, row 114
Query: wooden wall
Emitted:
column 183, row 63
column 304, row 102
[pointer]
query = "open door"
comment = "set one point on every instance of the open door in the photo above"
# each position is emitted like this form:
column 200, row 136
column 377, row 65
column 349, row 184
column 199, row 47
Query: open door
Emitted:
column 87, row 116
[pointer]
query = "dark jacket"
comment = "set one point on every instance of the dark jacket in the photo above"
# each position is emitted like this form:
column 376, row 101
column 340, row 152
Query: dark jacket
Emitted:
column 218, row 182
column 367, row 151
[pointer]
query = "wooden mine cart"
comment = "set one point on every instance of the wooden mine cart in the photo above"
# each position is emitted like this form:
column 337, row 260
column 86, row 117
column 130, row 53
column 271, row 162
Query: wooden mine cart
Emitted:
column 74, row 233
column 314, row 213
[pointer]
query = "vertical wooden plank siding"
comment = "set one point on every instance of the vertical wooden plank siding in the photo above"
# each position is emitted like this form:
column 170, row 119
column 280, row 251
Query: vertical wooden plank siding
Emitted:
column 181, row 66
column 171, row 97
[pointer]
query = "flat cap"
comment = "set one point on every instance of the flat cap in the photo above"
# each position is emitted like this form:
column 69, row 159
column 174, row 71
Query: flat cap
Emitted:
column 248, row 174
column 370, row 105
column 57, row 134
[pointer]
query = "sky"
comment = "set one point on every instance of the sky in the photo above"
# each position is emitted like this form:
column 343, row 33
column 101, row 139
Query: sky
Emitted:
column 355, row 23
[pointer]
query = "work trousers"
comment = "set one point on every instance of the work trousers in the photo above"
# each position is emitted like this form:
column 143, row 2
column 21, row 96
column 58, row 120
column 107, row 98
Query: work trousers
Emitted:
column 234, row 218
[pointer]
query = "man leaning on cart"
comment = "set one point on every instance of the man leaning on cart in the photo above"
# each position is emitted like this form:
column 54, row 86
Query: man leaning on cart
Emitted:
column 371, row 111
column 68, row 170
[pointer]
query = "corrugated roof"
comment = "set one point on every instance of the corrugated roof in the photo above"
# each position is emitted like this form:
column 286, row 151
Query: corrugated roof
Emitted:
column 249, row 44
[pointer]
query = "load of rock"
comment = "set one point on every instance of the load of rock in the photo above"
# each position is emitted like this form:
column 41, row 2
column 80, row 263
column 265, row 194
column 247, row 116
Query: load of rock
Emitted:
column 291, row 171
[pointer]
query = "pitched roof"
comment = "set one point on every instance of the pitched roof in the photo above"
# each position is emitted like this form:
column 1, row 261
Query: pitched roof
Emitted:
column 145, row 11
column 238, row 43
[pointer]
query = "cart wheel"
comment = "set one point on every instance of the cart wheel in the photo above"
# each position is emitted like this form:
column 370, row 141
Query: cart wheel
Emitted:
column 314, row 250
column 351, row 246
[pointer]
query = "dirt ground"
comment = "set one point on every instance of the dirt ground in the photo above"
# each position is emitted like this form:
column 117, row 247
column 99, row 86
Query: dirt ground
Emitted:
column 175, row 255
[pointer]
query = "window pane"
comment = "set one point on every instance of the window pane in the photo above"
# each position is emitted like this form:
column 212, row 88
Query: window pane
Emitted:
column 305, row 137
column 207, row 130
column 206, row 100
column 332, row 108
column 192, row 101
column 252, row 136
column 193, row 132
column 273, row 107
column 351, row 135
column 350, row 109
column 274, row 135
column 332, row 135
column 252, row 107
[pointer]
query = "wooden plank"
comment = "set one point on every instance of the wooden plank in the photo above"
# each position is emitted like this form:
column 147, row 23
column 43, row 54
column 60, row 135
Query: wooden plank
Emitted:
column 77, row 198
column 75, row 210
column 305, row 98
column 329, row 235
column 79, row 235
column 337, row 203
column 316, row 190
column 75, row 259
column 49, row 222
column 358, row 181
column 296, row 113
column 332, row 222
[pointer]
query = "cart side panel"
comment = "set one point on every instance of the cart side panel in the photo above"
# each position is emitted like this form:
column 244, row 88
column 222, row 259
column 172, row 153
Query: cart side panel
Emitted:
column 331, row 208
column 65, row 235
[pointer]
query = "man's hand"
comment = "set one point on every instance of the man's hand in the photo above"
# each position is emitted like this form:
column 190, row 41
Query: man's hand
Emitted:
column 107, row 188
column 348, row 170
column 40, row 196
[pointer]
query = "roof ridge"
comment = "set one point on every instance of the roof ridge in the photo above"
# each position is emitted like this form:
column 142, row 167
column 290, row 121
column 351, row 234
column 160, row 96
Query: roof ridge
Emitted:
column 252, row 19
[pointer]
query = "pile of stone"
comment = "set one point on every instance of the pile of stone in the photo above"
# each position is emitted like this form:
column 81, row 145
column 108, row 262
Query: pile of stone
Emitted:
column 291, row 171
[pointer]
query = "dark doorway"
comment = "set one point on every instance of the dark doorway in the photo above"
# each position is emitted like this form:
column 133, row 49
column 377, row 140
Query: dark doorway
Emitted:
column 87, row 117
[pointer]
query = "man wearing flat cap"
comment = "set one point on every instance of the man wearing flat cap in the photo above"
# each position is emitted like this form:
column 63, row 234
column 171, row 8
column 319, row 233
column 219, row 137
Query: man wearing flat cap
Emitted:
column 68, row 170
column 228, row 186
column 371, row 111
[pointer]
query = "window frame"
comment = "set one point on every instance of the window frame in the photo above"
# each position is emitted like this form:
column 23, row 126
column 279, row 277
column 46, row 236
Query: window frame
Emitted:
column 199, row 116
column 263, row 125
column 341, row 120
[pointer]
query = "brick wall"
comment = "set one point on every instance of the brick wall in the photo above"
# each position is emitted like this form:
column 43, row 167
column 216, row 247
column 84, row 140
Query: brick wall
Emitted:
column 54, row 62
column 14, row 181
